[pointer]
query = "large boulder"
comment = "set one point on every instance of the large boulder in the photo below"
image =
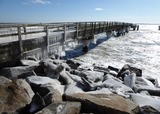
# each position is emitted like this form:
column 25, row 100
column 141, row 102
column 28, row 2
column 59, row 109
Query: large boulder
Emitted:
column 15, row 95
column 62, row 108
column 65, row 78
column 17, row 72
column 148, row 110
column 44, row 85
column 104, row 104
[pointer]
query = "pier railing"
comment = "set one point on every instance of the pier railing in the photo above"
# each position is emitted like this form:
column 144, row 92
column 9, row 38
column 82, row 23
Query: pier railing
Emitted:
column 21, row 40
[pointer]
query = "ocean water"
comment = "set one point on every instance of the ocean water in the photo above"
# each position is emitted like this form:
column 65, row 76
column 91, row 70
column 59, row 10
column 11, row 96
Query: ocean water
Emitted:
column 137, row 48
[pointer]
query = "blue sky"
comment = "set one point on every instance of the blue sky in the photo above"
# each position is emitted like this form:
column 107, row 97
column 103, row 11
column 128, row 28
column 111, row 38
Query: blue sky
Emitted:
column 36, row 11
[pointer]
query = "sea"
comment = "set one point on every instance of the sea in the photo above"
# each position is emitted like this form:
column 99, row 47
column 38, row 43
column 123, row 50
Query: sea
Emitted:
column 140, row 49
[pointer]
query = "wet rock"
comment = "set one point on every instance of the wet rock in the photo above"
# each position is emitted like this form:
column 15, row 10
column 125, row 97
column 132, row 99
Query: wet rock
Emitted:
column 143, row 100
column 4, row 80
column 135, row 70
column 17, row 72
column 44, row 85
column 15, row 95
column 62, row 108
column 104, row 104
column 130, row 80
column 148, row 110
column 65, row 78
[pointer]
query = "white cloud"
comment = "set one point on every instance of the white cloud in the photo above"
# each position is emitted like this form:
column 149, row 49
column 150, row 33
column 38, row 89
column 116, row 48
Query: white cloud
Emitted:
column 41, row 2
column 99, row 9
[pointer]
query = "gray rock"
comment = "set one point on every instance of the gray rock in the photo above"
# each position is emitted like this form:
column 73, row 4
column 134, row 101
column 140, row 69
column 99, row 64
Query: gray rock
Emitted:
column 62, row 108
column 17, row 72
column 65, row 78
column 143, row 100
column 135, row 70
column 15, row 95
column 44, row 85
column 130, row 80
column 32, row 58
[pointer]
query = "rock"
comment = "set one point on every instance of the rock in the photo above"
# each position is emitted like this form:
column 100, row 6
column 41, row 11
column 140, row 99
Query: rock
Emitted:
column 33, row 58
column 148, row 110
column 143, row 100
column 4, row 80
column 104, row 104
column 130, row 80
column 29, row 63
column 51, row 69
column 143, row 81
column 17, row 72
column 36, row 105
column 114, row 85
column 113, row 68
column 94, row 75
column 53, row 96
column 73, row 88
column 151, row 90
column 62, row 108
column 54, row 56
column 157, row 82
column 15, row 95
column 65, row 78
column 135, row 70
column 73, row 64
column 44, row 85
column 101, row 69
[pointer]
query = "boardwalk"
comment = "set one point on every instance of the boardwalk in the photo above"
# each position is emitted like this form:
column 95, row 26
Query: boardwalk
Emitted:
column 41, row 40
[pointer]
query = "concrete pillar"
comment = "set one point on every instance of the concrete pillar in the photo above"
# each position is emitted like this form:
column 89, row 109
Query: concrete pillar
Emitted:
column 159, row 28
column 20, row 40
column 109, row 34
column 85, row 49
column 138, row 27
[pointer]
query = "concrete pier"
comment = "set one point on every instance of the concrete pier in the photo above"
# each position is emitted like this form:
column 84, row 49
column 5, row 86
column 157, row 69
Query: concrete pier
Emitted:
column 42, row 40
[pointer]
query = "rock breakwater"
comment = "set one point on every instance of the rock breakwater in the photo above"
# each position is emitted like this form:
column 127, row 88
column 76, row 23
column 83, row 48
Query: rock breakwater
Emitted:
column 73, row 86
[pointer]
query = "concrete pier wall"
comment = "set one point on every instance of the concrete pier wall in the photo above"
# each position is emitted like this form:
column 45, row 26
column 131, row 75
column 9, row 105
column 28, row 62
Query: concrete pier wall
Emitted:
column 42, row 40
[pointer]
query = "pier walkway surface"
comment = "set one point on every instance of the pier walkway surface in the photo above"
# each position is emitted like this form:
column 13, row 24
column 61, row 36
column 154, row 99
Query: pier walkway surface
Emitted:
column 42, row 40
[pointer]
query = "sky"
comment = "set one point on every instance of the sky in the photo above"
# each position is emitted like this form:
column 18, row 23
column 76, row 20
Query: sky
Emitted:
column 47, row 11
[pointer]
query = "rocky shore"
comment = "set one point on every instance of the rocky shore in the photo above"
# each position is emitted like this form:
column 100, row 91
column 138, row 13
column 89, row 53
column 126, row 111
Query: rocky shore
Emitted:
column 55, row 86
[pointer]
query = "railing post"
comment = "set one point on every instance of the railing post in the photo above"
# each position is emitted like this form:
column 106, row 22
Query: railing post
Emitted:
column 77, row 30
column 47, row 38
column 85, row 31
column 20, row 40
column 64, row 33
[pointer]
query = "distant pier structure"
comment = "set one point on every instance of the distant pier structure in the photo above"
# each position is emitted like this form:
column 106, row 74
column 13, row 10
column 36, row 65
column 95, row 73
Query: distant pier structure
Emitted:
column 42, row 40
column 159, row 28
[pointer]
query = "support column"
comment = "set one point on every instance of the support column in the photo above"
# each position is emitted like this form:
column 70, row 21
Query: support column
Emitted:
column 77, row 30
column 47, row 38
column 64, row 34
column 109, row 34
column 159, row 28
column 20, row 40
